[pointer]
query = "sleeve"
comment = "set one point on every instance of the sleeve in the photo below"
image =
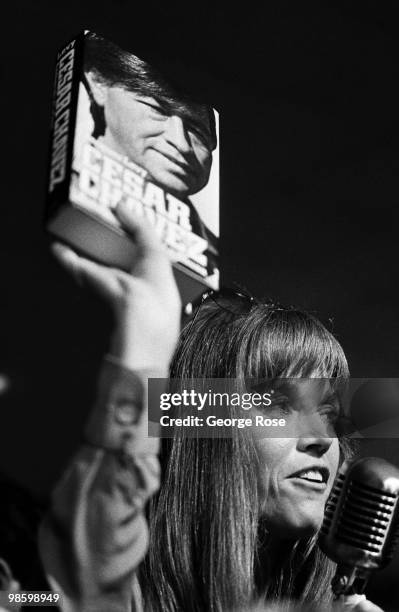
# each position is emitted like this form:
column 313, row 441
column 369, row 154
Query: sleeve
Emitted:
column 95, row 534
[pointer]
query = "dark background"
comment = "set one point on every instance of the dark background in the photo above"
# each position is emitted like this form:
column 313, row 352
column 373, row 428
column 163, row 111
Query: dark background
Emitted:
column 308, row 97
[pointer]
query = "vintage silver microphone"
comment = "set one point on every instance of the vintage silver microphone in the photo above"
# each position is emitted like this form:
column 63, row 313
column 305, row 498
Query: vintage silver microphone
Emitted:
column 361, row 522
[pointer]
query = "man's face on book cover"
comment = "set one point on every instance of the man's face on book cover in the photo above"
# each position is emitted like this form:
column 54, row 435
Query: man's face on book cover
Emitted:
column 174, row 150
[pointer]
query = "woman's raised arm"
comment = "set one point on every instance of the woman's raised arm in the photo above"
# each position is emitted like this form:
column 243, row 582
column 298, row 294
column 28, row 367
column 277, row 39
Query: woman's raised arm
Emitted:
column 95, row 534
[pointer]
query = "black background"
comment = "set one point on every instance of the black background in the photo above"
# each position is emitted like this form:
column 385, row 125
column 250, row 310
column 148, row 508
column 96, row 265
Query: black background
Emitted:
column 308, row 97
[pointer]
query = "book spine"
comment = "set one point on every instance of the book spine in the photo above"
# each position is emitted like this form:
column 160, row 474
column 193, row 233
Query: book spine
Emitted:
column 65, row 98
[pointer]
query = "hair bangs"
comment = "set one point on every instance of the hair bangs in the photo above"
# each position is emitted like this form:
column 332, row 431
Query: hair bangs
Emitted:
column 290, row 343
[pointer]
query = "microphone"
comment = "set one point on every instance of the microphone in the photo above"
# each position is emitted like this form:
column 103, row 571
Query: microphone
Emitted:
column 361, row 522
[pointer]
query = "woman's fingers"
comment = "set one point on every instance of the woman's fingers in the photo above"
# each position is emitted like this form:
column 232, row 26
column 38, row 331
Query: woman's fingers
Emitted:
column 152, row 262
column 143, row 234
column 151, row 273
column 86, row 272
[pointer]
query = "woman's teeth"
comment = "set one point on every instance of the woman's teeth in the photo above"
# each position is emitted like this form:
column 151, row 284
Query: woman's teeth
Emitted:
column 312, row 475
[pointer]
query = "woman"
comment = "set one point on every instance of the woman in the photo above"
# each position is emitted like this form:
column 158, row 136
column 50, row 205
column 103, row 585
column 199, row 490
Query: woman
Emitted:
column 235, row 520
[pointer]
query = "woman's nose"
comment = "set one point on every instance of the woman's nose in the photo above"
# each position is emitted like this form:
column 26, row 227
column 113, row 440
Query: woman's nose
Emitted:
column 317, row 446
column 313, row 435
column 176, row 135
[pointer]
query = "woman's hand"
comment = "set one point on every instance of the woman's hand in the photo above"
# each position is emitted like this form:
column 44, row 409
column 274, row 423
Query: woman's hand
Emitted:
column 146, row 302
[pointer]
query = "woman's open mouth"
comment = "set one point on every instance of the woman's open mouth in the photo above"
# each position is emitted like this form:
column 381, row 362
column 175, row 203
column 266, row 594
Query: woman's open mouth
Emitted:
column 315, row 477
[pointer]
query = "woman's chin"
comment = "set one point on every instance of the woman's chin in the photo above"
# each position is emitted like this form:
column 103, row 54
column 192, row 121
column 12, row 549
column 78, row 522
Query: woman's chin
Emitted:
column 295, row 527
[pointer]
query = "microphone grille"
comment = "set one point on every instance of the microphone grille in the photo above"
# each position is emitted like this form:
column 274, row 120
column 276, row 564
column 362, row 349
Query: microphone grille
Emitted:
column 361, row 522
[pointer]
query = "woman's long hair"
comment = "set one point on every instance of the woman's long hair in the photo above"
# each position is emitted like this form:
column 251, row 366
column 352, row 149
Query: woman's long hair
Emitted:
column 206, row 535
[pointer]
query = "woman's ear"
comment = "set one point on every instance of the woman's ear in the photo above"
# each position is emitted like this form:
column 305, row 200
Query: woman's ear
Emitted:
column 97, row 87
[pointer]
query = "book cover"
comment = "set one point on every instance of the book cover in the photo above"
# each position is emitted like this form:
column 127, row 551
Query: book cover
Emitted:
column 121, row 132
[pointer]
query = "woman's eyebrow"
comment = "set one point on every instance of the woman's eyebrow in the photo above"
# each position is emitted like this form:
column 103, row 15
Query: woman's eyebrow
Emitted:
column 285, row 386
column 330, row 397
column 290, row 388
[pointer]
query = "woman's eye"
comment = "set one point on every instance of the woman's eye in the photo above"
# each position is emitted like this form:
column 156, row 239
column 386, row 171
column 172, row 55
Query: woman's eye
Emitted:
column 280, row 404
column 331, row 415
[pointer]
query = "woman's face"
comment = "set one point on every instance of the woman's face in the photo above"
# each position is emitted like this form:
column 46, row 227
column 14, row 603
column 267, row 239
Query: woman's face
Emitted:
column 296, row 472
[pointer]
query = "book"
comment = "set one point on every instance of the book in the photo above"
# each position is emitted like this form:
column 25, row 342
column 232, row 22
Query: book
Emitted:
column 121, row 133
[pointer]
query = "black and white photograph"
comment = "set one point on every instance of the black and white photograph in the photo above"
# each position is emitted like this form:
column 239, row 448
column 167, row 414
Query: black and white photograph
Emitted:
column 199, row 364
